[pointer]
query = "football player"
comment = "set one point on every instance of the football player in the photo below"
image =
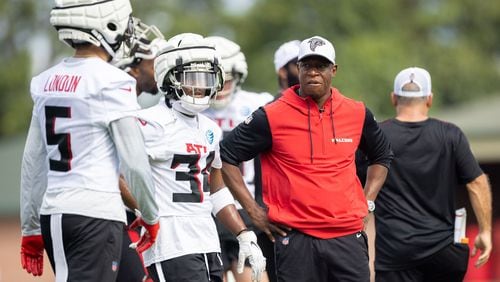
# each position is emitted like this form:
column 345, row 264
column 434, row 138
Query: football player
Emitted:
column 137, row 60
column 81, row 130
column 184, row 155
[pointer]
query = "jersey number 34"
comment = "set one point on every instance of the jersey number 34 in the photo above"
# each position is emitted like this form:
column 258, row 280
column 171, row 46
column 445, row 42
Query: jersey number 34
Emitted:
column 197, row 187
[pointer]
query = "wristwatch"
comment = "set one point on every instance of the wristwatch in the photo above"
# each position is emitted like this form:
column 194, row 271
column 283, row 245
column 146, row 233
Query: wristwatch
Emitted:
column 371, row 205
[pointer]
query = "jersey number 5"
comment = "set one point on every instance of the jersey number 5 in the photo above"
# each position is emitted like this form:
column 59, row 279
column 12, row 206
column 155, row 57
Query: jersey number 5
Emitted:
column 196, row 195
column 62, row 140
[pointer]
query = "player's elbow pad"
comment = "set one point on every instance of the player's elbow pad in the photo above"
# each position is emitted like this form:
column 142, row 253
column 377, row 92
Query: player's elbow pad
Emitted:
column 221, row 199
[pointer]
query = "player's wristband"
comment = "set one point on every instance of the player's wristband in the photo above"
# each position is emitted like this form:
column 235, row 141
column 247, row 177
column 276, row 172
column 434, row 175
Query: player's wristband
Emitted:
column 221, row 199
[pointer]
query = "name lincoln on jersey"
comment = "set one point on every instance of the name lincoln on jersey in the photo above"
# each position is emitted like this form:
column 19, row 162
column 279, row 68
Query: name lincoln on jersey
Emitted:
column 62, row 83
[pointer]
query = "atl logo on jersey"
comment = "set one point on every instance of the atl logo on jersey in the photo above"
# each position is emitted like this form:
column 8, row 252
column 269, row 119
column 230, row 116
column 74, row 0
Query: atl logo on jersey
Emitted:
column 196, row 148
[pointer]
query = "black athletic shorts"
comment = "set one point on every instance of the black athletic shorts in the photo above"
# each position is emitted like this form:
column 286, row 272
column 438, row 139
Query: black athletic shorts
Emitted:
column 449, row 264
column 82, row 248
column 188, row 268
column 301, row 258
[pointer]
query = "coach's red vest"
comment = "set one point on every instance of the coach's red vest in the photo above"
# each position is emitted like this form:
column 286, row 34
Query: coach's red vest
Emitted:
column 309, row 177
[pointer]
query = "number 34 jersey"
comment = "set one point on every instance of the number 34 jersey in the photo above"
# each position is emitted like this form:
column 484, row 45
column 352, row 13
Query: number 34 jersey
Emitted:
column 182, row 150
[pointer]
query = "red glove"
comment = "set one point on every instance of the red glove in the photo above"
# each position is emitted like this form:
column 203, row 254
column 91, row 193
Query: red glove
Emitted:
column 32, row 254
column 148, row 238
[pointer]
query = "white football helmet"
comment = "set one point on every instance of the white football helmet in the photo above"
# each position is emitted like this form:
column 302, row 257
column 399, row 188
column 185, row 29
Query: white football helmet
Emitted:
column 235, row 66
column 105, row 23
column 188, row 69
column 145, row 44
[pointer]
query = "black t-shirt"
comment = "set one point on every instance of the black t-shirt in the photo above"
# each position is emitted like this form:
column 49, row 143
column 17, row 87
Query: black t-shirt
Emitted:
column 416, row 206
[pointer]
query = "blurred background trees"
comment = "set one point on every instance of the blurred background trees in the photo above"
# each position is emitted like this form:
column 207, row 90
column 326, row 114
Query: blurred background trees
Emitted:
column 456, row 40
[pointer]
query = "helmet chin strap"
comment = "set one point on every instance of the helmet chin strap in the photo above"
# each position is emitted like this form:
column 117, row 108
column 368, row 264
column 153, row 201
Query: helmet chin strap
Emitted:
column 179, row 106
column 189, row 108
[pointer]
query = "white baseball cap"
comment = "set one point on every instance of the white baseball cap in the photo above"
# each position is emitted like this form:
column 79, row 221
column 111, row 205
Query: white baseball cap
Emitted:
column 285, row 53
column 317, row 46
column 419, row 76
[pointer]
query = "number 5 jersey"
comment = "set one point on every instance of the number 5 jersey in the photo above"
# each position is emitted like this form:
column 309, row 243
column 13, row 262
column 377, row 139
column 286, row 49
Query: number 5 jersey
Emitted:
column 73, row 156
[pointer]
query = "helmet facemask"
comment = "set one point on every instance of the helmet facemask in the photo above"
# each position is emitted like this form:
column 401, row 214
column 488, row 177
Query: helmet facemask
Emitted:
column 195, row 85
column 136, row 58
column 188, row 69
column 143, row 44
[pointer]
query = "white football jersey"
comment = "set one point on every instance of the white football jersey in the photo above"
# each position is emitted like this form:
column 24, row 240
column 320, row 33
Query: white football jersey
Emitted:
column 243, row 103
column 182, row 151
column 74, row 102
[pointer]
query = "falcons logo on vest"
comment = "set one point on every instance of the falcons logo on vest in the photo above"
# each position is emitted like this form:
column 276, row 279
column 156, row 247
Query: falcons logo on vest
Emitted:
column 315, row 42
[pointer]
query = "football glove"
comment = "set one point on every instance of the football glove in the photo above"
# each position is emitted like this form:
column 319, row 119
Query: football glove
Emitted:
column 148, row 238
column 32, row 254
column 249, row 249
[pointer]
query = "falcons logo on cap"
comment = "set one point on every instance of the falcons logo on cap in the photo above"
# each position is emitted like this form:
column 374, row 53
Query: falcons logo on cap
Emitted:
column 315, row 42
